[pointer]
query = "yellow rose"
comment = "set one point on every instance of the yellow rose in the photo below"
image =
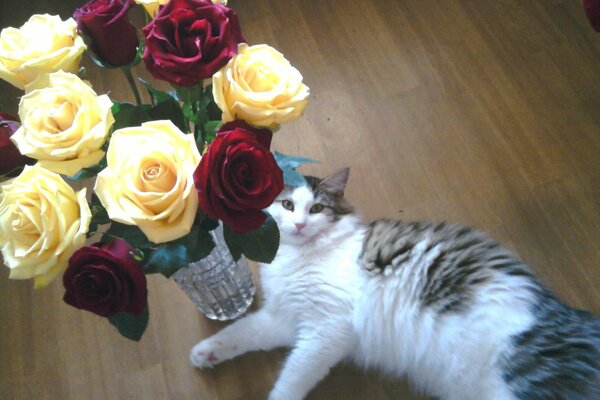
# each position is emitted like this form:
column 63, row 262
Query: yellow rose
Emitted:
column 42, row 223
column 45, row 43
column 151, row 6
column 148, row 180
column 64, row 123
column 260, row 86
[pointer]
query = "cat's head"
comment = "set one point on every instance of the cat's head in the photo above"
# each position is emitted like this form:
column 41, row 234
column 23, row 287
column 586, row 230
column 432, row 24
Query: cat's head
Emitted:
column 302, row 213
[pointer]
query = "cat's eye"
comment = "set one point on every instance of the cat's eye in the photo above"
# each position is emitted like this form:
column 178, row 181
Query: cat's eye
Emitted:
column 317, row 208
column 288, row 205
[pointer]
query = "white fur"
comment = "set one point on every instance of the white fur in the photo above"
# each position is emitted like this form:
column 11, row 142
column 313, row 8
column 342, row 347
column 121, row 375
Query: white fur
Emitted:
column 451, row 357
column 319, row 302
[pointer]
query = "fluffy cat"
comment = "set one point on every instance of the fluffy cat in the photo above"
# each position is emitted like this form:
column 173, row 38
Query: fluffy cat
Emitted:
column 442, row 304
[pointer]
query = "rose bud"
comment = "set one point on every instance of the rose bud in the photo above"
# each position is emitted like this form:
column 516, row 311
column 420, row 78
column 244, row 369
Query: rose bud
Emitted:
column 238, row 176
column 106, row 279
column 190, row 40
column 113, row 36
column 10, row 157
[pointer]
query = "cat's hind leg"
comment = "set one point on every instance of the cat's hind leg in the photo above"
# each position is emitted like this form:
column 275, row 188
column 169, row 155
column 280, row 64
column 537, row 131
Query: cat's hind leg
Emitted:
column 257, row 331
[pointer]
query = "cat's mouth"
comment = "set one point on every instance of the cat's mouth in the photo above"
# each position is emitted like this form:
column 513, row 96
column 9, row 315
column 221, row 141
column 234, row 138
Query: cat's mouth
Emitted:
column 299, row 233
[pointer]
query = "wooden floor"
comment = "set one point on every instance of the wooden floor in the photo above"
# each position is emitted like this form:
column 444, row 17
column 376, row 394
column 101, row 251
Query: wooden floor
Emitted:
column 485, row 112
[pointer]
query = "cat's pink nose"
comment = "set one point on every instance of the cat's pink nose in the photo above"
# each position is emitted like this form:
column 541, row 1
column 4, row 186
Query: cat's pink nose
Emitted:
column 300, row 225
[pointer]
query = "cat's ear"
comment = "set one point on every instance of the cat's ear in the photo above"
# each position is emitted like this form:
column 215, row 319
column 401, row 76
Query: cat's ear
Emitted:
column 336, row 182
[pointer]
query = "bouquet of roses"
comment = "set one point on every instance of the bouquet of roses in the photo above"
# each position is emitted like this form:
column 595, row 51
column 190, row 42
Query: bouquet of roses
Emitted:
column 165, row 173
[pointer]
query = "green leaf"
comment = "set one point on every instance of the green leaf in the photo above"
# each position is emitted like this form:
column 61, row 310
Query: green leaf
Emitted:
column 203, row 103
column 129, row 233
column 233, row 243
column 89, row 172
column 166, row 259
column 129, row 325
column 169, row 257
column 189, row 94
column 139, row 54
column 198, row 243
column 84, row 173
column 127, row 114
column 284, row 160
column 189, row 113
column 293, row 178
column 156, row 95
column 99, row 215
column 213, row 110
column 260, row 245
column 209, row 224
column 288, row 165
column 211, row 128
column 171, row 110
column 195, row 103
column 173, row 93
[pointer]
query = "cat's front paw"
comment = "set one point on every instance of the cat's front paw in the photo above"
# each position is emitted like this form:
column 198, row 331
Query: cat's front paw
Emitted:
column 210, row 352
column 203, row 355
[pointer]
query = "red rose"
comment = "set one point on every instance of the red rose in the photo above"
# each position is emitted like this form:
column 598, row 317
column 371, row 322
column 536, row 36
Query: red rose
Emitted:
column 105, row 279
column 190, row 40
column 238, row 177
column 592, row 10
column 105, row 22
column 10, row 157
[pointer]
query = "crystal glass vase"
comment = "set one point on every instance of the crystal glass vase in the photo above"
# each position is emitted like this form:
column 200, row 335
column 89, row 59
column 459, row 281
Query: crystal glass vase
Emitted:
column 220, row 287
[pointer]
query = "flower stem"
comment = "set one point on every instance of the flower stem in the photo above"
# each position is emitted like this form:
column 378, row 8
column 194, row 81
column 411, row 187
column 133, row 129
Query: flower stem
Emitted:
column 193, row 100
column 198, row 124
column 127, row 71
column 202, row 132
